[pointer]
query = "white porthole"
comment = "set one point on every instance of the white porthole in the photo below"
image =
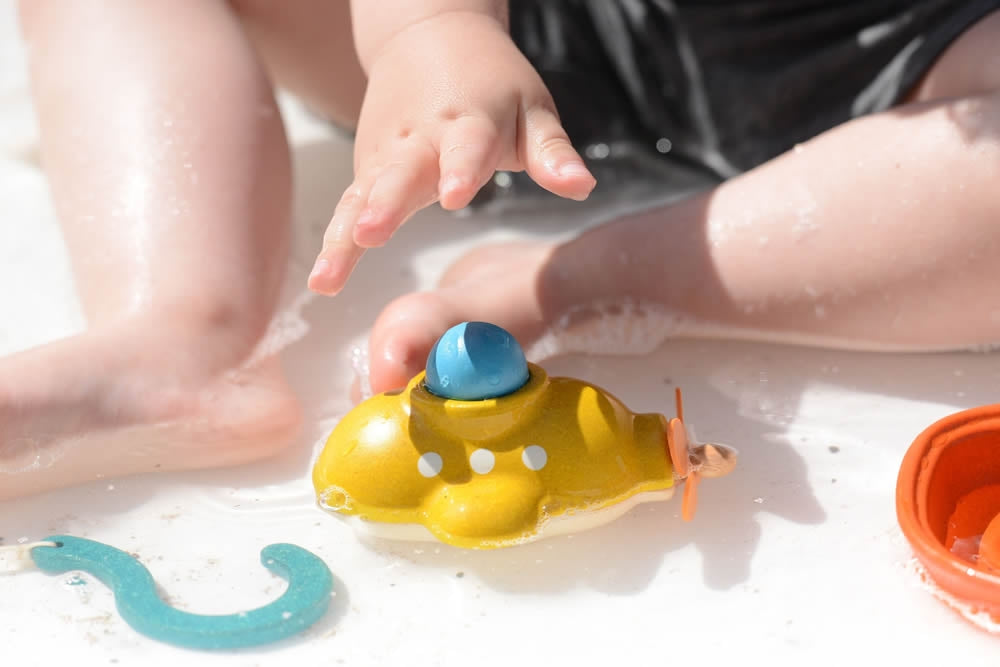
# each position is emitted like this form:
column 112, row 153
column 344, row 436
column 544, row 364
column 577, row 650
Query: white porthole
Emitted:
column 534, row 457
column 430, row 464
column 482, row 461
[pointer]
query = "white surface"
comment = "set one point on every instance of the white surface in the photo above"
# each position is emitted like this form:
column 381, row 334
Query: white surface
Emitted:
column 796, row 556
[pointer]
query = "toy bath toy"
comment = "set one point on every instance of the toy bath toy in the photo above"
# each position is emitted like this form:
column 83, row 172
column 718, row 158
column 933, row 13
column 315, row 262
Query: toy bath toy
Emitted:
column 948, row 505
column 310, row 584
column 451, row 457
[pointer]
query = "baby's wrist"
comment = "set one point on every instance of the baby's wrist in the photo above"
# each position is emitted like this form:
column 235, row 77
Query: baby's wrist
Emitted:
column 448, row 23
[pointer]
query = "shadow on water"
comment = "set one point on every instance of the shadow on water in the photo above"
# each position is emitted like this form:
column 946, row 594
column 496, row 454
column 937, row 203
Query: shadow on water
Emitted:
column 622, row 557
column 772, row 478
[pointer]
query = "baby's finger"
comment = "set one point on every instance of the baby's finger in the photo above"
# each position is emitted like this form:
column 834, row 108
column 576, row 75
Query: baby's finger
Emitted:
column 469, row 155
column 340, row 254
column 400, row 189
column 550, row 158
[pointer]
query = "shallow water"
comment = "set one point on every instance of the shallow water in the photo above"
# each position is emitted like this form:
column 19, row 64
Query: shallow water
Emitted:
column 967, row 610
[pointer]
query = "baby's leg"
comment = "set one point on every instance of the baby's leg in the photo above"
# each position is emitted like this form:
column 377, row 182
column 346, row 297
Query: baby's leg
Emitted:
column 881, row 233
column 308, row 47
column 170, row 170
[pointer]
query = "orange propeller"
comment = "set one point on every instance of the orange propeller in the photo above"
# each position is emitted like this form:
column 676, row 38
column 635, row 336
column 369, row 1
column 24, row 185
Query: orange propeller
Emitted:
column 677, row 448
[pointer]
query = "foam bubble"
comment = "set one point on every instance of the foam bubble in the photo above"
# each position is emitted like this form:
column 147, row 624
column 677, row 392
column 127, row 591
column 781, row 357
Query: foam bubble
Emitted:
column 978, row 617
column 27, row 455
column 288, row 326
column 632, row 327
column 359, row 362
column 335, row 499
column 636, row 328
column 628, row 327
column 16, row 558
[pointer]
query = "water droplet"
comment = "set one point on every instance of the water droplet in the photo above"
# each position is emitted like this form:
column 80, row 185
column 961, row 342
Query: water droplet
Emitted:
column 664, row 145
column 759, row 500
column 598, row 151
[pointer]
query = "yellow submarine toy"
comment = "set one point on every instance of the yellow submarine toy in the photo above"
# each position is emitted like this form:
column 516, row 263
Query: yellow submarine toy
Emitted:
column 484, row 450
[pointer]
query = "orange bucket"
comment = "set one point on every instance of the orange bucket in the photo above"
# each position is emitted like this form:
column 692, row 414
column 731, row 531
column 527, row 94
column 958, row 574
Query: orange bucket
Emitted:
column 948, row 505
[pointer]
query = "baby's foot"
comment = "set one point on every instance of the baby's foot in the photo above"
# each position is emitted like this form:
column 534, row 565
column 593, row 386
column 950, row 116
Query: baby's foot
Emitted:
column 100, row 406
column 504, row 284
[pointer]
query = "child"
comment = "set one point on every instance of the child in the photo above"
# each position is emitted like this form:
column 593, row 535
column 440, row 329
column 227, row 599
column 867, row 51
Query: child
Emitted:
column 170, row 171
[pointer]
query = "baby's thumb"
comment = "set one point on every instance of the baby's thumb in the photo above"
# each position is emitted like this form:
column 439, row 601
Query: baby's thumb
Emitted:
column 549, row 156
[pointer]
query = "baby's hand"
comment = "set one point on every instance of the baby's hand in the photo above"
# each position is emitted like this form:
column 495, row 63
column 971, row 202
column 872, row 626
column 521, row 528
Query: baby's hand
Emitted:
column 449, row 101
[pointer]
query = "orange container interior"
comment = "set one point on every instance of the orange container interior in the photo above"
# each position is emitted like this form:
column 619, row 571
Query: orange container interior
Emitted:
column 963, row 489
column 948, row 504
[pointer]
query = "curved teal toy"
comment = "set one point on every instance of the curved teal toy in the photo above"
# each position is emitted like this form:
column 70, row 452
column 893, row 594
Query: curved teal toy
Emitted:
column 310, row 584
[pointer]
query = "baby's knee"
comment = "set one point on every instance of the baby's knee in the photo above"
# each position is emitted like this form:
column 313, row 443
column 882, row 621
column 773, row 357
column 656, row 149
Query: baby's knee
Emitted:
column 228, row 326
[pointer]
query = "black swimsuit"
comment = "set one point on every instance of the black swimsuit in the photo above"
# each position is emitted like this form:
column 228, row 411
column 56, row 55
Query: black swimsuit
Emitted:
column 689, row 92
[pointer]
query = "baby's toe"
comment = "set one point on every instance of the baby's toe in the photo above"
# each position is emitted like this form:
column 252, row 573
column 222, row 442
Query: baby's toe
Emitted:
column 403, row 336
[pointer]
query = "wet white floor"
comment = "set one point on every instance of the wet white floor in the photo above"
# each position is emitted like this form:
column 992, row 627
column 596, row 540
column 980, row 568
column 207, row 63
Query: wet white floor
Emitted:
column 795, row 557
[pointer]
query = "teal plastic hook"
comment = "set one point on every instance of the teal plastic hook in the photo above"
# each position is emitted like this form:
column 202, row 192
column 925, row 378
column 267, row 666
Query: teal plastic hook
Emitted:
column 306, row 600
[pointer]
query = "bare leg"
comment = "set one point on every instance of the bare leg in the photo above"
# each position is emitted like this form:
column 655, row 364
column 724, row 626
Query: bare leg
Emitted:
column 308, row 47
column 880, row 233
column 170, row 171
